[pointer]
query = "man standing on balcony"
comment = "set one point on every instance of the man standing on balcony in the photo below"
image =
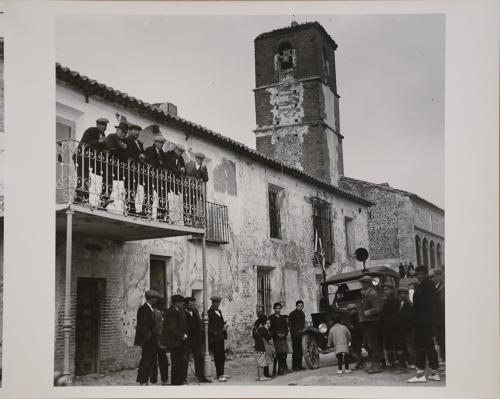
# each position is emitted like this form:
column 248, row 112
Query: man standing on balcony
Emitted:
column 86, row 157
column 193, row 198
column 112, row 165
column 145, row 336
column 157, row 179
column 133, row 177
column 174, row 163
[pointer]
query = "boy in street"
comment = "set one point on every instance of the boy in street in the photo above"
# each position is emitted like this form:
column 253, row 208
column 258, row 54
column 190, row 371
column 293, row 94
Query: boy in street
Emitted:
column 297, row 320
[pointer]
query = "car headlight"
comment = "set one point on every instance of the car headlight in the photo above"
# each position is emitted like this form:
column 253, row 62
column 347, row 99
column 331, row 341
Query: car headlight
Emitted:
column 323, row 328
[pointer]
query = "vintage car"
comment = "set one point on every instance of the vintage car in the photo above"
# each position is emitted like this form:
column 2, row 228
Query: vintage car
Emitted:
column 343, row 289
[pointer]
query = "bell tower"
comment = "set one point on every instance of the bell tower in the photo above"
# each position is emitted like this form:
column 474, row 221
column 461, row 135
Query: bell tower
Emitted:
column 296, row 100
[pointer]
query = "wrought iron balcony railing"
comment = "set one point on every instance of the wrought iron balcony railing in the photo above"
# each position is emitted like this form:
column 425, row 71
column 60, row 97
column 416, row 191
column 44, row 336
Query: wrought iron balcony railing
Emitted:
column 101, row 179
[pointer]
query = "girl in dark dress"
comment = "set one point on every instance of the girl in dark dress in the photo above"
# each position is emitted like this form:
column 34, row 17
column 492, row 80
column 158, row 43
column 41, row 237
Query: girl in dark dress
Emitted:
column 279, row 332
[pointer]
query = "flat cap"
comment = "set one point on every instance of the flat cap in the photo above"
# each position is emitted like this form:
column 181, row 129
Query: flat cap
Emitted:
column 180, row 147
column 177, row 298
column 351, row 306
column 123, row 126
column 199, row 155
column 135, row 127
column 152, row 294
column 366, row 278
column 102, row 120
column 159, row 137
column 403, row 289
column 216, row 298
column 388, row 285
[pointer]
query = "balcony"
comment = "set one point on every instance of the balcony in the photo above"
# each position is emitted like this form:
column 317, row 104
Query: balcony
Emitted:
column 126, row 200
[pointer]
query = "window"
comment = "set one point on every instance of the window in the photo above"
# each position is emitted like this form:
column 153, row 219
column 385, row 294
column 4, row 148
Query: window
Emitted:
column 425, row 254
column 322, row 224
column 433, row 263
column 350, row 236
column 418, row 248
column 285, row 56
column 439, row 255
column 274, row 212
column 264, row 290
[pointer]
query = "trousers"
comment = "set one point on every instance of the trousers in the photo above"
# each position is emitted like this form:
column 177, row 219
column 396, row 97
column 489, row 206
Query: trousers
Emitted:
column 297, row 352
column 162, row 364
column 424, row 346
column 219, row 357
column 148, row 360
column 372, row 341
column 196, row 349
column 179, row 365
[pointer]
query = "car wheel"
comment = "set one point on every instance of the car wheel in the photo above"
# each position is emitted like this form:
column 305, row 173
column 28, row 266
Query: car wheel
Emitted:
column 310, row 351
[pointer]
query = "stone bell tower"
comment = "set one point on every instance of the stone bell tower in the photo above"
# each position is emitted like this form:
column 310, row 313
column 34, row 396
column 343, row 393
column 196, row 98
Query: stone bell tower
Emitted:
column 296, row 100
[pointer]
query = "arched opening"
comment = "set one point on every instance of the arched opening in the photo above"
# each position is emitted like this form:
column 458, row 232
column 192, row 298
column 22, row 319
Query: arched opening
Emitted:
column 431, row 254
column 285, row 56
column 425, row 253
column 418, row 248
column 439, row 256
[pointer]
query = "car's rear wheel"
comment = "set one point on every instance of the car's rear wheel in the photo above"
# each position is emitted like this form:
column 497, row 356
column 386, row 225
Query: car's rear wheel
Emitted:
column 310, row 351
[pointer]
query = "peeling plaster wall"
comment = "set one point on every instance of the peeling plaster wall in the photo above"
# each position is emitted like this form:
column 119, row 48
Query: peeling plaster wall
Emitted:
column 241, row 184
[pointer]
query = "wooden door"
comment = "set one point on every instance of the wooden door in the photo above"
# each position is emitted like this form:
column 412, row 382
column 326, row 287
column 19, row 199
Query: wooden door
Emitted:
column 88, row 314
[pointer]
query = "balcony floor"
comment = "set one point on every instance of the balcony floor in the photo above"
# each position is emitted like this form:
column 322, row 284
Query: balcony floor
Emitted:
column 99, row 223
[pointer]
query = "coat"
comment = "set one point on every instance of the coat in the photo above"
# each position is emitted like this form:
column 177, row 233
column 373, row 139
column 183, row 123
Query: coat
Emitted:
column 425, row 302
column 389, row 314
column 370, row 306
column 88, row 143
column 145, row 328
column 406, row 319
column 339, row 337
column 261, row 333
column 216, row 331
column 194, row 327
column 155, row 157
column 201, row 173
column 279, row 332
column 91, row 137
column 297, row 322
column 174, row 328
column 173, row 164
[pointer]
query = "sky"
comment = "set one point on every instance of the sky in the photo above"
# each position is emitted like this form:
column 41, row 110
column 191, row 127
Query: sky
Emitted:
column 390, row 77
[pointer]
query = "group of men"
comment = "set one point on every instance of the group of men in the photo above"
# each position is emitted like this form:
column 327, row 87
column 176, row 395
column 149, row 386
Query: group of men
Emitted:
column 121, row 156
column 179, row 331
column 404, row 330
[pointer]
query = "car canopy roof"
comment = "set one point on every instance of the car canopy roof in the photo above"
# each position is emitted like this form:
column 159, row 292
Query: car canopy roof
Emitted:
column 357, row 274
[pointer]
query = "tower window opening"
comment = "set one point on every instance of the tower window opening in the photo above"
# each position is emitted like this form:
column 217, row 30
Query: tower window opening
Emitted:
column 285, row 56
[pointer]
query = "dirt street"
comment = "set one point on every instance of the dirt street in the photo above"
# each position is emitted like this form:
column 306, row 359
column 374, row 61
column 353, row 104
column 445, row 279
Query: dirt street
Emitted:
column 242, row 370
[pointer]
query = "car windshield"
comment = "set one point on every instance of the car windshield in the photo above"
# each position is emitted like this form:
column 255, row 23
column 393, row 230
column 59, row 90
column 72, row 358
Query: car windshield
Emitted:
column 343, row 292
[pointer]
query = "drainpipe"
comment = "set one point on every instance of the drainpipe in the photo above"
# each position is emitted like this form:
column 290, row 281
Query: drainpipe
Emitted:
column 67, row 296
column 206, row 354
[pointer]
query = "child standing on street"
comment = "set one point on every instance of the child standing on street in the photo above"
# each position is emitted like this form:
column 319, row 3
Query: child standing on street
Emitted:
column 339, row 338
column 263, row 347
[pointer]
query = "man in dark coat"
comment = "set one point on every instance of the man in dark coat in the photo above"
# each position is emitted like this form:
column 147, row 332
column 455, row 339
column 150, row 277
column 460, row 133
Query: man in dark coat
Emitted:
column 369, row 316
column 161, row 354
column 174, row 338
column 146, row 336
column 86, row 157
column 438, row 278
column 388, row 321
column 194, row 205
column 133, row 178
column 194, row 343
column 112, row 164
column 425, row 303
column 405, row 331
column 297, row 320
column 279, row 331
column 175, row 164
column 217, row 333
column 156, row 181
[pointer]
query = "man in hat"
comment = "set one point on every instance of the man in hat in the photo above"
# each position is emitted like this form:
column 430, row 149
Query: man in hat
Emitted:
column 113, row 163
column 297, row 321
column 194, row 342
column 405, row 332
column 90, row 144
column 156, row 180
column 356, row 330
column 161, row 360
column 438, row 278
column 425, row 303
column 133, row 176
column 369, row 317
column 146, row 336
column 175, row 164
column 217, row 333
column 193, row 197
column 279, row 332
column 388, row 321
column 174, row 338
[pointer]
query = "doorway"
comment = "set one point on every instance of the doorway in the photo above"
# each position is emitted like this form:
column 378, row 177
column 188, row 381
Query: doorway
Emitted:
column 89, row 295
column 160, row 278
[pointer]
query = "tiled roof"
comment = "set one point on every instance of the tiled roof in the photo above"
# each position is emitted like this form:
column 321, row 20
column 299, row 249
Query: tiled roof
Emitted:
column 91, row 87
column 298, row 27
column 386, row 187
